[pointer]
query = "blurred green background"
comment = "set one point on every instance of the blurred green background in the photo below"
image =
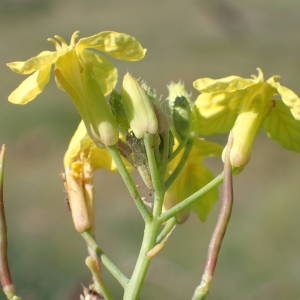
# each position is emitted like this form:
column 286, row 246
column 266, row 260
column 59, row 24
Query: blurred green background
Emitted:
column 185, row 40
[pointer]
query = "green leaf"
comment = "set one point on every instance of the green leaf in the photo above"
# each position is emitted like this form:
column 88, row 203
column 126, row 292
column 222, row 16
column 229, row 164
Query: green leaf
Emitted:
column 282, row 127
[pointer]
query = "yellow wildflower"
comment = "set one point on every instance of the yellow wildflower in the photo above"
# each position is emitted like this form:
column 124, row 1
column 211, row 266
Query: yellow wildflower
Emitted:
column 244, row 105
column 83, row 73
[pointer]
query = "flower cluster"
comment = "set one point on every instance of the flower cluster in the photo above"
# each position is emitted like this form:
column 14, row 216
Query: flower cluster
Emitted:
column 230, row 104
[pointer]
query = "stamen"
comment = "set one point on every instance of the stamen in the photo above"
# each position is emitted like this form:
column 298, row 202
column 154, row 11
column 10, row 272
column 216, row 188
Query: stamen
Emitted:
column 61, row 40
column 55, row 42
column 74, row 37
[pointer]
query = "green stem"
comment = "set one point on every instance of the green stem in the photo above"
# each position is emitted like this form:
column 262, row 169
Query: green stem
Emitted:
column 110, row 266
column 191, row 199
column 180, row 165
column 155, row 176
column 95, row 268
column 168, row 227
column 129, row 183
column 178, row 149
column 215, row 244
column 133, row 289
column 165, row 153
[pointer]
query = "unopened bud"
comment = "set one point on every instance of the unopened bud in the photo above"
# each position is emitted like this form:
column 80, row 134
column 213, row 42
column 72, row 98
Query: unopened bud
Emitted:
column 138, row 108
column 80, row 204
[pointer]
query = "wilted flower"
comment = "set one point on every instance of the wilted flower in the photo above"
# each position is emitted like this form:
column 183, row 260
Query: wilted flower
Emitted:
column 80, row 161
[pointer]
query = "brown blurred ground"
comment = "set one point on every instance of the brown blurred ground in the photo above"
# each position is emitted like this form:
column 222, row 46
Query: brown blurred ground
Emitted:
column 185, row 40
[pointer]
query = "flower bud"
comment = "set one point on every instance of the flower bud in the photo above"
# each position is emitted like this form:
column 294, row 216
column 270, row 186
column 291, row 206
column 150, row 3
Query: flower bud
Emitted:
column 79, row 203
column 138, row 108
column 247, row 124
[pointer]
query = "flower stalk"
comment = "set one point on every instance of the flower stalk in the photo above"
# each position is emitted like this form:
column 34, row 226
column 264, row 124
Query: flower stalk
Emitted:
column 5, row 274
column 222, row 223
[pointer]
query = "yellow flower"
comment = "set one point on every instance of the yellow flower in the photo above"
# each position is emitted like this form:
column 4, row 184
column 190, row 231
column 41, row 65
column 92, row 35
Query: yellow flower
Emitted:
column 244, row 105
column 83, row 73
column 81, row 159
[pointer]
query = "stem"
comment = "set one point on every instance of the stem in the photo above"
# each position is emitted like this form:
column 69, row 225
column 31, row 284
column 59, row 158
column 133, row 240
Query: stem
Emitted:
column 129, row 183
column 152, row 227
column 94, row 264
column 165, row 153
column 178, row 149
column 180, row 165
column 191, row 199
column 5, row 275
column 155, row 176
column 110, row 266
column 168, row 228
column 222, row 223
column 132, row 291
column 98, row 283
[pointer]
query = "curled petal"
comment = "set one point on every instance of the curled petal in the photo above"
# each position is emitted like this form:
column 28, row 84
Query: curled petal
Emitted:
column 289, row 98
column 118, row 45
column 34, row 63
column 31, row 87
column 226, row 84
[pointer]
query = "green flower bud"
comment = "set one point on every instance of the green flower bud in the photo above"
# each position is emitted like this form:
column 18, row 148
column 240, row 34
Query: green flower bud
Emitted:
column 138, row 108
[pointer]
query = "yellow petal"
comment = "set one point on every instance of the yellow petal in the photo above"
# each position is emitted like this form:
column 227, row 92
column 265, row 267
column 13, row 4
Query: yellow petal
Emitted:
column 82, row 147
column 225, row 84
column 217, row 111
column 35, row 63
column 31, row 87
column 105, row 73
column 118, row 45
column 289, row 98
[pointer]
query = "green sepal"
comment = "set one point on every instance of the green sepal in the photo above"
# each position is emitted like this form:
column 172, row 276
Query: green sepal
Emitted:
column 118, row 111
column 181, row 113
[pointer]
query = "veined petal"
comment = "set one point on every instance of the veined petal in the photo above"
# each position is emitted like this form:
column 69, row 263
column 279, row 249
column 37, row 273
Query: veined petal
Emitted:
column 43, row 59
column 31, row 87
column 103, row 71
column 218, row 111
column 226, row 84
column 118, row 45
column 289, row 98
column 78, row 80
column 282, row 127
